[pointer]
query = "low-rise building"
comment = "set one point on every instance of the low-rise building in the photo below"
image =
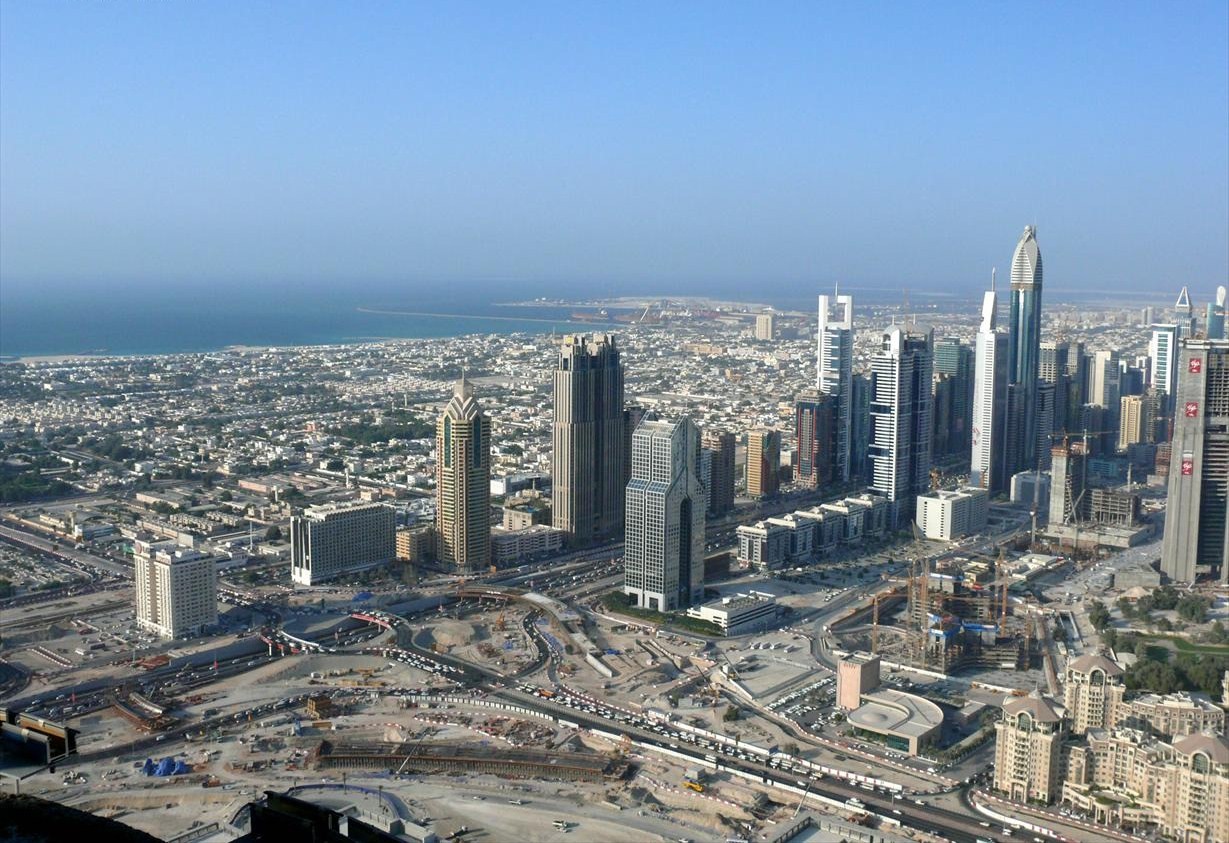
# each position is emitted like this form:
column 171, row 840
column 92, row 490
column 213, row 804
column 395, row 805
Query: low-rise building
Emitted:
column 510, row 546
column 739, row 614
column 947, row 515
column 176, row 592
column 1173, row 715
column 415, row 544
column 904, row 722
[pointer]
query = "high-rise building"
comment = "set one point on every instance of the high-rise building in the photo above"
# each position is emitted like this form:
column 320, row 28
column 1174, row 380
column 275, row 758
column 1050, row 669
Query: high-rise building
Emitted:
column 1024, row 351
column 1028, row 749
column 632, row 414
column 989, row 468
column 765, row 327
column 1136, row 420
column 720, row 484
column 1093, row 692
column 763, row 462
column 1045, row 422
column 664, row 547
column 333, row 540
column 176, row 591
column 1053, row 369
column 1163, row 351
column 955, row 359
column 860, row 426
column 1069, row 502
column 1105, row 385
column 901, row 406
column 814, row 428
column 835, row 371
column 1215, row 317
column 944, row 394
column 1184, row 314
column 1147, row 316
column 1196, row 541
column 587, row 479
column 463, row 482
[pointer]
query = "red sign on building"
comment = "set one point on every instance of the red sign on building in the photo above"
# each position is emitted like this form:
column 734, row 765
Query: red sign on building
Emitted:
column 1188, row 466
column 1195, row 366
column 1191, row 409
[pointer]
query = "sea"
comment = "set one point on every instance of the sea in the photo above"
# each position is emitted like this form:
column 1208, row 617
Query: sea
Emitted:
column 116, row 319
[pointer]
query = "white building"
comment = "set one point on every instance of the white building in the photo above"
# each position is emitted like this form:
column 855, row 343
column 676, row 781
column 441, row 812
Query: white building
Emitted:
column 988, row 469
column 663, row 549
column 901, row 407
column 177, row 592
column 740, row 613
column 835, row 371
column 1163, row 351
column 762, row 545
column 947, row 515
column 334, row 540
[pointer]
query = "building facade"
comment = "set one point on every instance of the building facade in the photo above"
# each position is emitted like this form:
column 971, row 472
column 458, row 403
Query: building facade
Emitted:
column 337, row 539
column 463, row 483
column 587, row 440
column 901, row 403
column 1092, row 692
column 835, row 372
column 1196, row 542
column 664, row 545
column 815, row 434
column 763, row 462
column 988, row 467
column 1028, row 749
column 720, row 481
column 176, row 592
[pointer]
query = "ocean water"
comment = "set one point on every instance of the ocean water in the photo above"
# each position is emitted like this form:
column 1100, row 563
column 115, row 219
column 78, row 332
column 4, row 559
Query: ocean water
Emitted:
column 165, row 319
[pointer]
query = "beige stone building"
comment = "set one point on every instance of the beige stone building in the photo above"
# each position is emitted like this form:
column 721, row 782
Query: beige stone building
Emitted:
column 1129, row 779
column 463, row 483
column 1028, row 752
column 856, row 675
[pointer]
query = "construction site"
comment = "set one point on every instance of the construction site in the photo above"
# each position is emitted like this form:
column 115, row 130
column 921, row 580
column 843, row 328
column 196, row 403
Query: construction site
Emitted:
column 947, row 616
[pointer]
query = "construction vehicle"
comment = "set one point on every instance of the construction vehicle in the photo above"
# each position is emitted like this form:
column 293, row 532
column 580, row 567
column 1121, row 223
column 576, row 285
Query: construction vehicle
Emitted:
column 696, row 786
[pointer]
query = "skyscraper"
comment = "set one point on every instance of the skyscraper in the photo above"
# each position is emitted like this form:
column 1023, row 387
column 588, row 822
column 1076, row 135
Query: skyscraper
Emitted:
column 1196, row 541
column 1054, row 369
column 587, row 479
column 722, row 446
column 1024, row 350
column 835, row 371
column 763, row 462
column 1184, row 314
column 955, row 360
column 988, row 467
column 463, row 482
column 1215, row 317
column 1136, row 419
column 901, row 406
column 664, row 547
column 1163, row 351
column 1045, row 422
column 814, row 424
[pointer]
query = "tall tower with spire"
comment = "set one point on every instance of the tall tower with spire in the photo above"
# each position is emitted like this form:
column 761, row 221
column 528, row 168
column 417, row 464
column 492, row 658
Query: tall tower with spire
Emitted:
column 1024, row 352
column 835, row 372
column 463, row 482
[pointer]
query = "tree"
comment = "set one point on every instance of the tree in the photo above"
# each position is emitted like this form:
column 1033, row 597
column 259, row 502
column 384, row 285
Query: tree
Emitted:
column 1193, row 608
column 1099, row 616
column 732, row 713
column 274, row 533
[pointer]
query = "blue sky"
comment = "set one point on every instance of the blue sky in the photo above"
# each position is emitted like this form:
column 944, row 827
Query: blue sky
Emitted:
column 676, row 145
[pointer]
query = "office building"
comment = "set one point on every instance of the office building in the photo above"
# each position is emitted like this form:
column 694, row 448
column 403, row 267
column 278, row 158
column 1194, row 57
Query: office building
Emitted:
column 664, row 546
column 1093, row 692
column 1028, row 749
column 988, row 466
column 334, row 540
column 588, row 439
column 1105, row 379
column 860, row 427
column 720, row 481
column 856, row 674
column 1214, row 327
column 835, row 372
column 948, row 515
column 900, row 413
column 765, row 327
column 1163, row 359
column 176, row 591
column 954, row 364
column 463, row 483
column 415, row 544
column 1136, row 420
column 1024, row 351
column 1196, row 542
column 1069, row 502
column 1184, row 315
column 815, row 429
column 763, row 462
column 739, row 614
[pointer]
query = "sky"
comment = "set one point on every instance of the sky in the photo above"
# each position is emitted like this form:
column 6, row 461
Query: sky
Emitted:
column 681, row 147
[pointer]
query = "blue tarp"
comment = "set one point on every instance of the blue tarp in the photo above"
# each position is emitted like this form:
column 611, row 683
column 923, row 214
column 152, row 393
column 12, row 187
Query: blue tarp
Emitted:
column 363, row 596
column 148, row 767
